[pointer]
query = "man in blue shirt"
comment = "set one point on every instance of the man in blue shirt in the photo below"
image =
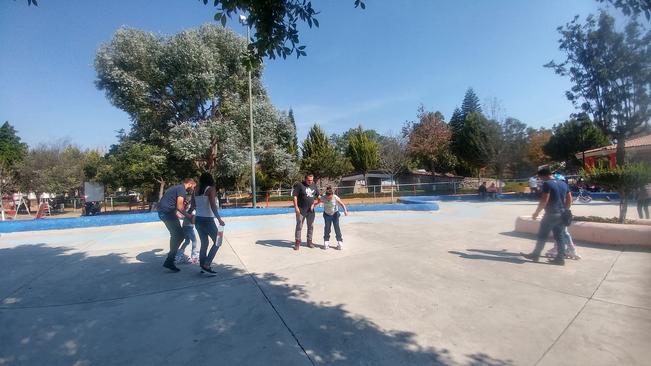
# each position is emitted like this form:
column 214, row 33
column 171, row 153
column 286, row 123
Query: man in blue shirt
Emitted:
column 556, row 199
column 170, row 209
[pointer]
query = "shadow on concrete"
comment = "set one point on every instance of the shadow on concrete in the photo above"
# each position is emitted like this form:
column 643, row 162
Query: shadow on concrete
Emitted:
column 60, row 306
column 276, row 243
column 579, row 243
column 496, row 256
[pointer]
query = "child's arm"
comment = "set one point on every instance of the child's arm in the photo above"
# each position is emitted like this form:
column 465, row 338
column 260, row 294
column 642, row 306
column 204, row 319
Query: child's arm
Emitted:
column 316, row 202
column 342, row 205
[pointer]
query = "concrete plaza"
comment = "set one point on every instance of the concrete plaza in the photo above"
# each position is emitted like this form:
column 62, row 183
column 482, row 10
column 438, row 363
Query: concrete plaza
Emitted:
column 409, row 288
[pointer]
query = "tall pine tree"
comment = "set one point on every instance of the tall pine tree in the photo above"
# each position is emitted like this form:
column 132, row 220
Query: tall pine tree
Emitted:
column 293, row 145
column 362, row 151
column 470, row 103
column 321, row 158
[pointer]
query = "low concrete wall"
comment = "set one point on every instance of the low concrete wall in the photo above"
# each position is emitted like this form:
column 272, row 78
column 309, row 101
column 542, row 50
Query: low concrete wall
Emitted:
column 593, row 232
column 125, row 219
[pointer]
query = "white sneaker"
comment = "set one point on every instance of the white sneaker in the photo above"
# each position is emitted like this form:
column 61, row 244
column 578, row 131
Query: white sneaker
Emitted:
column 340, row 245
column 326, row 245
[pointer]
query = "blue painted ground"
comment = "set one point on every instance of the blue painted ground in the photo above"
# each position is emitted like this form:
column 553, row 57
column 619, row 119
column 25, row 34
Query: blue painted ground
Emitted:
column 124, row 219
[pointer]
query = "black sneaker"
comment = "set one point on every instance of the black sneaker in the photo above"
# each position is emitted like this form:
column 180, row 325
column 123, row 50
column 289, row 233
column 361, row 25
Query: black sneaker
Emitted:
column 532, row 257
column 557, row 261
column 171, row 267
column 207, row 270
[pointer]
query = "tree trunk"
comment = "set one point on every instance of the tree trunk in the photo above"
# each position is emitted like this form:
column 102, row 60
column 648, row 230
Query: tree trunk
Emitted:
column 623, row 194
column 161, row 189
column 621, row 152
column 623, row 205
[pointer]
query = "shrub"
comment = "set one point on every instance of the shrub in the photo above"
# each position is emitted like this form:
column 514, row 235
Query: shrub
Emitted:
column 624, row 179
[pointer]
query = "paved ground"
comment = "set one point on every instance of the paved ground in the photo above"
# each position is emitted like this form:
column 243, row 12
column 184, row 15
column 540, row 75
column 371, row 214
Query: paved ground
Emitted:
column 410, row 288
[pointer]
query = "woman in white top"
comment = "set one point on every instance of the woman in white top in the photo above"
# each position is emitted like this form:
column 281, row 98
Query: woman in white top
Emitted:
column 204, row 202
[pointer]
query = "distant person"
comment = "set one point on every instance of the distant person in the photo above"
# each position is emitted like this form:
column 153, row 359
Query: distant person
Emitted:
column 556, row 199
column 643, row 200
column 482, row 191
column 190, row 238
column 492, row 191
column 533, row 185
column 170, row 209
column 331, row 203
column 205, row 202
column 304, row 195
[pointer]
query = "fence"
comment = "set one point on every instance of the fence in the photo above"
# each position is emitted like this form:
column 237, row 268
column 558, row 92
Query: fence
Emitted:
column 366, row 194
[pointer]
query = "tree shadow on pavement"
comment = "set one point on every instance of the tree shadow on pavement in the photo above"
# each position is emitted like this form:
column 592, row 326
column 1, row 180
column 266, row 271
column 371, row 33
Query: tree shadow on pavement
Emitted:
column 61, row 306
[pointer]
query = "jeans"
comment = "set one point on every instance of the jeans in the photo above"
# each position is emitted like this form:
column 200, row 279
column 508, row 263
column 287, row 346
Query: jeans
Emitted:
column 206, row 228
column 551, row 222
column 643, row 207
column 300, row 217
column 188, row 231
column 330, row 220
column 176, row 234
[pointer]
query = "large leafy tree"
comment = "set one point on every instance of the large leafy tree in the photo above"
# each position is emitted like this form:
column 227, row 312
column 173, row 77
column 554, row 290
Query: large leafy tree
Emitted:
column 632, row 7
column 610, row 72
column 362, row 151
column 275, row 24
column 12, row 150
column 134, row 165
column 342, row 141
column 187, row 95
column 573, row 136
column 53, row 168
column 12, row 153
column 320, row 158
column 537, row 139
column 429, row 141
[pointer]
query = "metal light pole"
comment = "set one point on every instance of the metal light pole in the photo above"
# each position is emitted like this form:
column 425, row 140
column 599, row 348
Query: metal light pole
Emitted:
column 244, row 22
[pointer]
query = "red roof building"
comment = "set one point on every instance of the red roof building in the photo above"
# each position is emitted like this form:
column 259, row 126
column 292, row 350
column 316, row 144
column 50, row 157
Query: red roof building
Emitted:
column 637, row 149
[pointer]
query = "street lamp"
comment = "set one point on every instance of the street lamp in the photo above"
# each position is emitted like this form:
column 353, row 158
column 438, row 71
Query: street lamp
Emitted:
column 244, row 22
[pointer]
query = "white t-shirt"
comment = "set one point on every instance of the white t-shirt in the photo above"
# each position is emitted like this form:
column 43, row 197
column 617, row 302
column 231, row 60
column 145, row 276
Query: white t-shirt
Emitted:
column 330, row 205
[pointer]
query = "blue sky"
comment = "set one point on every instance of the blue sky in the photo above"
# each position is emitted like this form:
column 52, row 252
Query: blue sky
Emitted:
column 371, row 67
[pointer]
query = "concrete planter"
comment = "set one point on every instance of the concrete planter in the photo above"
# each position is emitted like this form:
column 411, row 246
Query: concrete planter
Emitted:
column 593, row 232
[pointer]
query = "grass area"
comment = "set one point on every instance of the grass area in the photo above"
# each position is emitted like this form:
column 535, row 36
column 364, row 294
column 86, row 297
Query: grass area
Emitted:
column 604, row 220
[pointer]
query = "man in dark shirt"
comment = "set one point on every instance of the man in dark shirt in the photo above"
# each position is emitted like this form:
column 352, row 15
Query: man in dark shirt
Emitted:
column 555, row 200
column 482, row 191
column 304, row 195
column 170, row 209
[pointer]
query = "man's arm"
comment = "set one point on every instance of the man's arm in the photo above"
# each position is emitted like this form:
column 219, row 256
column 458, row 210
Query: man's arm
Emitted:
column 568, row 200
column 296, row 209
column 541, row 205
column 180, row 207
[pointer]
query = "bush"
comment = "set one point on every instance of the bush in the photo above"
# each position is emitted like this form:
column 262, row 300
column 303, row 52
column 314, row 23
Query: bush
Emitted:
column 624, row 179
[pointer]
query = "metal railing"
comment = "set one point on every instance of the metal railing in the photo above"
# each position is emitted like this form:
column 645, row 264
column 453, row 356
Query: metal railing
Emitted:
column 366, row 194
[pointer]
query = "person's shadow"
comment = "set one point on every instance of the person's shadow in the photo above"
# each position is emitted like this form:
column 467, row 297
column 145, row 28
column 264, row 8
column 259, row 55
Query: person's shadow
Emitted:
column 491, row 255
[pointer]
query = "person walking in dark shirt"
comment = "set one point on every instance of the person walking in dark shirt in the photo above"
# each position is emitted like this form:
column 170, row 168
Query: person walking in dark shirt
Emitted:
column 170, row 209
column 304, row 195
column 556, row 199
